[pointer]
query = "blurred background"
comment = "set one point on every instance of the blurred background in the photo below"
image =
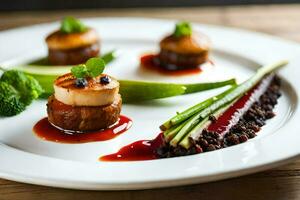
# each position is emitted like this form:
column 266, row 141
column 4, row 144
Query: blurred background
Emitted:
column 277, row 17
column 9, row 5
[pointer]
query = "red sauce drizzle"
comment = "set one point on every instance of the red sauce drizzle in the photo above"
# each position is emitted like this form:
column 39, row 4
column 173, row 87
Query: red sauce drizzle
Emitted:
column 223, row 121
column 46, row 131
column 137, row 151
column 147, row 63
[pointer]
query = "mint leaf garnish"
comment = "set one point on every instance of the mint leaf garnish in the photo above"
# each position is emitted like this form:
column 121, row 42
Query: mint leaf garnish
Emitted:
column 92, row 68
column 79, row 71
column 183, row 29
column 95, row 66
column 72, row 25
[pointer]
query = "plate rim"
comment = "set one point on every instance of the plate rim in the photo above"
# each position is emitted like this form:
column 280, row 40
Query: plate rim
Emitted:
column 165, row 183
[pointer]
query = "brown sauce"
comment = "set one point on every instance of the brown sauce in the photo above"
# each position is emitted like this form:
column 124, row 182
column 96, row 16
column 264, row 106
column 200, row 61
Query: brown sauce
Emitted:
column 46, row 131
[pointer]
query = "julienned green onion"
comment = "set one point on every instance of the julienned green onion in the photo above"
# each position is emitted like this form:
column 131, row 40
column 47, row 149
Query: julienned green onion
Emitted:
column 171, row 133
column 242, row 88
column 185, row 142
column 193, row 126
column 195, row 121
column 193, row 110
column 184, row 124
column 189, row 125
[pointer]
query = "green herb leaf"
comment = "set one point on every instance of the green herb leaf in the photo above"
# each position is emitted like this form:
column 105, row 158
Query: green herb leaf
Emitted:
column 79, row 71
column 72, row 25
column 92, row 68
column 183, row 29
column 95, row 66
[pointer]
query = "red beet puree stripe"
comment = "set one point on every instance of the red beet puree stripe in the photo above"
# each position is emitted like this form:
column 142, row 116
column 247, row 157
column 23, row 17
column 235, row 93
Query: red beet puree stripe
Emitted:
column 232, row 115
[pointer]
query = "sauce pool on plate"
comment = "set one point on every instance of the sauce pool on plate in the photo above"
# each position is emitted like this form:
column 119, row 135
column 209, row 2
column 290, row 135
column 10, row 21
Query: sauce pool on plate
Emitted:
column 137, row 151
column 46, row 131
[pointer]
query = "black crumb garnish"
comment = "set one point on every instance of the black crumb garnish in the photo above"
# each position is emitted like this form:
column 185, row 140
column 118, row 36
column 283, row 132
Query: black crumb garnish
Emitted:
column 81, row 82
column 104, row 80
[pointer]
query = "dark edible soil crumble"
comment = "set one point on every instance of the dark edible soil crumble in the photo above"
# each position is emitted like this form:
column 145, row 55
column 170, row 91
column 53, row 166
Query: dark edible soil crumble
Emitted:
column 246, row 128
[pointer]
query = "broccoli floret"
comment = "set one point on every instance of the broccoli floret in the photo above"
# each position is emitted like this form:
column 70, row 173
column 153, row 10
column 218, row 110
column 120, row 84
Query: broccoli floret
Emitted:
column 34, row 89
column 28, row 88
column 10, row 103
column 7, row 90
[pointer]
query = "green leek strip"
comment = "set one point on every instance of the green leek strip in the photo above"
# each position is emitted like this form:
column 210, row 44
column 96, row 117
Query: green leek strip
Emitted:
column 228, row 97
column 192, row 122
column 242, row 88
column 172, row 132
column 193, row 110
column 188, row 126
column 186, row 142
column 196, row 87
column 133, row 91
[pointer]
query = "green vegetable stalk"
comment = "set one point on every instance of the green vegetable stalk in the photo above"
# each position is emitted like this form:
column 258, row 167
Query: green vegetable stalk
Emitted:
column 182, row 116
column 184, row 124
column 133, row 91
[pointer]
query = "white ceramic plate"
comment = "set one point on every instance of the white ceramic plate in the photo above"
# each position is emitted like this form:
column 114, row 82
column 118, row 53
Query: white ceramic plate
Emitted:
column 26, row 158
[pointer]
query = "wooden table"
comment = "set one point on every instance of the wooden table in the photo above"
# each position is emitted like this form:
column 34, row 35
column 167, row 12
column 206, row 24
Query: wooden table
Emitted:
column 275, row 184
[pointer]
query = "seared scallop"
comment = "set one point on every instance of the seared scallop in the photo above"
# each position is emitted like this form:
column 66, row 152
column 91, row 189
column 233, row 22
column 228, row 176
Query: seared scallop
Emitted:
column 72, row 48
column 184, row 52
column 84, row 106
column 94, row 93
